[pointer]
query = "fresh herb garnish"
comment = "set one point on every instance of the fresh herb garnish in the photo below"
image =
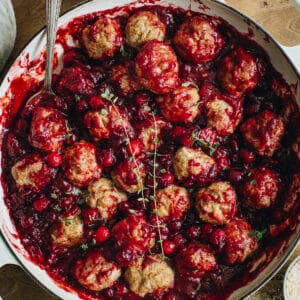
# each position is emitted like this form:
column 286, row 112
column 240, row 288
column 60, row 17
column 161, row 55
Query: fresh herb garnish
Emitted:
column 126, row 52
column 57, row 208
column 253, row 182
column 259, row 234
column 84, row 247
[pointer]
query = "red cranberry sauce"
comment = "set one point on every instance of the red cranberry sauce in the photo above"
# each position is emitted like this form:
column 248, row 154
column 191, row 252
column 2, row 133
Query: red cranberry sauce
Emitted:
column 84, row 85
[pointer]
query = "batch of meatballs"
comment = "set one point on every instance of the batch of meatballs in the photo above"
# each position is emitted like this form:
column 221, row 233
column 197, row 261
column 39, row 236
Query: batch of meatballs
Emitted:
column 161, row 166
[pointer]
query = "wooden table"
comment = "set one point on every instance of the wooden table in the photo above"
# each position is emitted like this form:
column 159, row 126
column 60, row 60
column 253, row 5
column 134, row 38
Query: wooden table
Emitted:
column 276, row 16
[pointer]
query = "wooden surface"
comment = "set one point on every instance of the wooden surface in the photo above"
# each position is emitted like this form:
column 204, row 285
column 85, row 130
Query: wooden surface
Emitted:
column 278, row 17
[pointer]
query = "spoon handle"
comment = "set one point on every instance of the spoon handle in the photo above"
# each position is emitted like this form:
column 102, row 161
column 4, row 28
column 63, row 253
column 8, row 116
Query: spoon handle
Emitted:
column 52, row 13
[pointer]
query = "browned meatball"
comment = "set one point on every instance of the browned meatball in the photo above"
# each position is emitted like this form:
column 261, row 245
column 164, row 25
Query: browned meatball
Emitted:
column 124, row 80
column 193, row 165
column 156, row 67
column 68, row 231
column 150, row 275
column 104, row 196
column 150, row 133
column 216, row 204
column 172, row 203
column 264, row 132
column 195, row 260
column 224, row 114
column 142, row 27
column 80, row 164
column 95, row 273
column 198, row 40
column 133, row 233
column 102, row 39
column 107, row 122
column 181, row 105
column 31, row 172
column 261, row 188
column 130, row 175
column 240, row 243
column 238, row 73
column 48, row 129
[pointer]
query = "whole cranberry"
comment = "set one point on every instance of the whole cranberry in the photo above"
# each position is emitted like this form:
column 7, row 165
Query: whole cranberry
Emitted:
column 107, row 158
column 175, row 226
column 120, row 289
column 26, row 221
column 102, row 234
column 218, row 237
column 96, row 102
column 109, row 293
column 235, row 175
column 142, row 98
column 125, row 258
column 82, row 105
column 169, row 247
column 206, row 230
column 54, row 159
column 134, row 147
column 12, row 145
column 193, row 232
column 40, row 204
column 90, row 216
column 177, row 132
column 179, row 240
column 68, row 202
column 247, row 156
column 186, row 140
column 166, row 179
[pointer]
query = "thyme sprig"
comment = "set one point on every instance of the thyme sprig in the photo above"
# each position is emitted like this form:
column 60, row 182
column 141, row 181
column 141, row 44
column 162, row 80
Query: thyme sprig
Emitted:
column 197, row 141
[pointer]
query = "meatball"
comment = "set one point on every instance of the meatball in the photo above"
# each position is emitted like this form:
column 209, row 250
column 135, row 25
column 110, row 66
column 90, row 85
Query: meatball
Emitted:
column 238, row 72
column 133, row 233
column 48, row 129
column 195, row 259
column 102, row 39
column 239, row 243
column 130, row 175
column 216, row 204
column 264, row 132
column 68, row 231
column 124, row 80
column 181, row 105
column 261, row 188
column 104, row 196
column 156, row 67
column 198, row 40
column 95, row 273
column 80, row 164
column 224, row 114
column 31, row 172
column 107, row 122
column 172, row 203
column 150, row 275
column 150, row 133
column 193, row 165
column 142, row 27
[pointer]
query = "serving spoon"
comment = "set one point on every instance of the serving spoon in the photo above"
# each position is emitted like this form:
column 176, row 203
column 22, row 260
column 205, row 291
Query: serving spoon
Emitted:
column 52, row 13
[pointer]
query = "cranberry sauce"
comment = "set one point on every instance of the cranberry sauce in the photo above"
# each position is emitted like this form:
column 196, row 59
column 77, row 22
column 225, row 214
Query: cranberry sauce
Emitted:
column 180, row 152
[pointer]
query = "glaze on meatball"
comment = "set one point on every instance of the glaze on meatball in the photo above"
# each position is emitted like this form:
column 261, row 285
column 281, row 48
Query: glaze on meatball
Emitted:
column 32, row 173
column 193, row 165
column 264, row 132
column 172, row 203
column 149, row 275
column 195, row 259
column 103, row 195
column 80, row 164
column 48, row 129
column 96, row 273
column 238, row 73
column 261, row 188
column 198, row 40
column 68, row 231
column 216, row 204
column 150, row 133
column 102, row 39
column 181, row 105
column 129, row 175
column 240, row 243
column 133, row 233
column 123, row 79
column 156, row 67
column 224, row 114
column 142, row 27
column 107, row 122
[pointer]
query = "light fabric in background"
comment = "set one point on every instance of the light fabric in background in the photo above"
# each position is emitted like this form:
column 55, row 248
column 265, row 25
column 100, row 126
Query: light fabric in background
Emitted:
column 7, row 30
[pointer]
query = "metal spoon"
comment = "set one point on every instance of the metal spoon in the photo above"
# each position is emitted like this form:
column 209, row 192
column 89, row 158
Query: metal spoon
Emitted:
column 52, row 13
